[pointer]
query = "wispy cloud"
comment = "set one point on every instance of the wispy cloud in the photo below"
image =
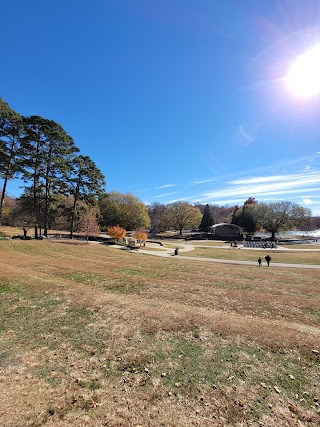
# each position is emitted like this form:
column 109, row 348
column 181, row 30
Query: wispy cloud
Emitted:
column 204, row 181
column 291, row 180
column 180, row 200
column 272, row 178
column 165, row 186
column 267, row 186
column 247, row 134
column 167, row 194
column 257, row 191
column 222, row 202
column 307, row 201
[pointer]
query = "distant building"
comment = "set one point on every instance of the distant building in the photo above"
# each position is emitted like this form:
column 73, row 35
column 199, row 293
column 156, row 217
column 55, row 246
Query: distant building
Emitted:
column 226, row 231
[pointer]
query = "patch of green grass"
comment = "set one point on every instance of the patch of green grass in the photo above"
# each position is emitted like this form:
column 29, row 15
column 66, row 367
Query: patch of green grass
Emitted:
column 193, row 365
column 207, row 243
column 293, row 378
column 147, row 248
column 142, row 272
column 133, row 272
column 188, row 372
column 4, row 288
column 315, row 314
column 225, row 285
column 46, row 321
column 79, row 277
column 158, row 355
column 301, row 246
column 134, row 287
column 44, row 372
column 26, row 247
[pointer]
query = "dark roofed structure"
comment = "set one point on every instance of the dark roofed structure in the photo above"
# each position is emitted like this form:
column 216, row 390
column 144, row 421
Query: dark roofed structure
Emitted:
column 226, row 231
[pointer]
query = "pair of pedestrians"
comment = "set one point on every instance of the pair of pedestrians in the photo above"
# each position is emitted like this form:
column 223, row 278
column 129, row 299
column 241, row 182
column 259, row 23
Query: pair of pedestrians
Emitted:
column 267, row 258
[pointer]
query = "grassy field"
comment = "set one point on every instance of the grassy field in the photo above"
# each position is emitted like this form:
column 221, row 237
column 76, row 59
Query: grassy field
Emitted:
column 301, row 257
column 95, row 336
column 302, row 246
column 210, row 243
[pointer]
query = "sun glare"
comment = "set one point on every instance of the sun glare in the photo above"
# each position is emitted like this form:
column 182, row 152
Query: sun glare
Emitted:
column 303, row 78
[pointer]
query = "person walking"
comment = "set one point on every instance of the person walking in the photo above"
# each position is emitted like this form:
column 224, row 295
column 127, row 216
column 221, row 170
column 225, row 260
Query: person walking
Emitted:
column 268, row 259
column 259, row 261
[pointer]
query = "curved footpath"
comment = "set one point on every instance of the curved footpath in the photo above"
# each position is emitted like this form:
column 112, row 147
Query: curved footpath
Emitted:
column 165, row 252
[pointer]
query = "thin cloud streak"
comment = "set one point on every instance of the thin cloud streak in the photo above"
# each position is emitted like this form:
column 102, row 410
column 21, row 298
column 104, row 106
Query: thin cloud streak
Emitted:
column 165, row 186
column 228, row 202
column 271, row 188
column 308, row 201
column 287, row 180
column 246, row 135
column 273, row 178
column 167, row 194
column 288, row 166
column 205, row 181
column 179, row 200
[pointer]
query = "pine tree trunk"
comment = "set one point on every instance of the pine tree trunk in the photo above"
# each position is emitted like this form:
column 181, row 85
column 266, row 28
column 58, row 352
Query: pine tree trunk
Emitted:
column 2, row 197
column 6, row 178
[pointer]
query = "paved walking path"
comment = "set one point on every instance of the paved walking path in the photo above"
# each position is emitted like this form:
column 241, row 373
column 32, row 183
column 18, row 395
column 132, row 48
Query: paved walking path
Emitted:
column 187, row 247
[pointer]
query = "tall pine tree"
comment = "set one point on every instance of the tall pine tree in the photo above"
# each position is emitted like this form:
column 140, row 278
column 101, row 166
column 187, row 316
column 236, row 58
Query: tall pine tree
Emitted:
column 86, row 183
column 47, row 153
column 10, row 130
column 207, row 220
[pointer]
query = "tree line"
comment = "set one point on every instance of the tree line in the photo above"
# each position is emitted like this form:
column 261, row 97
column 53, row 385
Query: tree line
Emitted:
column 39, row 152
column 65, row 190
column 272, row 217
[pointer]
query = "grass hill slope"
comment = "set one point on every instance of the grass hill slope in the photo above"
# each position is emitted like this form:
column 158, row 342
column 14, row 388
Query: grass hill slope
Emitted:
column 96, row 336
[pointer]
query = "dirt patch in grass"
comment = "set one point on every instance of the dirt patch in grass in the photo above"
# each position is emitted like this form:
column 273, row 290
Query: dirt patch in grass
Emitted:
column 95, row 336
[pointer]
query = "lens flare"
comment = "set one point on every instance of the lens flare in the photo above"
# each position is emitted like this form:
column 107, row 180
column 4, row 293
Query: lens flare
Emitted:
column 303, row 78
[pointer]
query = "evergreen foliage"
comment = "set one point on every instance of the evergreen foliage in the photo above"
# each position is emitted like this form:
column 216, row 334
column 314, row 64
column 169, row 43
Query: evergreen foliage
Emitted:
column 44, row 156
column 86, row 183
column 10, row 129
column 207, row 220
column 47, row 152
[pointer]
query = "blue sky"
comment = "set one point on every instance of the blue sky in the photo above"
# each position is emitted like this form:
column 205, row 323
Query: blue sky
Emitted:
column 172, row 99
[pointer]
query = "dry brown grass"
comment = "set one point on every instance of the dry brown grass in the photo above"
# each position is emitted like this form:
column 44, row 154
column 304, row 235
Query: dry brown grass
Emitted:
column 95, row 336
column 11, row 231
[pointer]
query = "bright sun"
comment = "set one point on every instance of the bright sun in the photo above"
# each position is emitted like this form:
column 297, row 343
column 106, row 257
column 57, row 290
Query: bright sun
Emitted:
column 303, row 78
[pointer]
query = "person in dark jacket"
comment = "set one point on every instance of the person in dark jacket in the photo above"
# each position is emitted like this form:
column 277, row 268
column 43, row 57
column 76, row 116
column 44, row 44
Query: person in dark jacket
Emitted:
column 259, row 261
column 268, row 259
